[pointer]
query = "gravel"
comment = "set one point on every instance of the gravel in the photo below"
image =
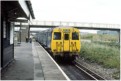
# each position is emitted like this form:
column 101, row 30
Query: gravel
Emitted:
column 98, row 69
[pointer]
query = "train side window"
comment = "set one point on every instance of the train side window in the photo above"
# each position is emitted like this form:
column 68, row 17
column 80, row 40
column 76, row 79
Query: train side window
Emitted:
column 57, row 36
column 75, row 36
column 66, row 36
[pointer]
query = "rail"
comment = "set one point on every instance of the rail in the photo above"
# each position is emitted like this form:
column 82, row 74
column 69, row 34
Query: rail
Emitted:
column 88, row 72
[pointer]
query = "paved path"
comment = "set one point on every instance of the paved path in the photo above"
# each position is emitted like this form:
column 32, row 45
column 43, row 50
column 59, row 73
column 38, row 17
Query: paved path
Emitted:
column 22, row 67
column 44, row 64
column 32, row 63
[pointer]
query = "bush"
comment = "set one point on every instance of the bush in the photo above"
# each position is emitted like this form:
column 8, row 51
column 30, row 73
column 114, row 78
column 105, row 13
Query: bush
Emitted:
column 104, row 55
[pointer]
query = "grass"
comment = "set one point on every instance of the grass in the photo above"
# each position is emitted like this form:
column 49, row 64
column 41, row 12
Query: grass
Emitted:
column 103, row 50
column 108, row 57
column 104, row 37
column 111, row 44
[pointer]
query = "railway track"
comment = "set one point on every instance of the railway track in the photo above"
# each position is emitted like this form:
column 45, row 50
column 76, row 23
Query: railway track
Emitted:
column 75, row 71
column 87, row 71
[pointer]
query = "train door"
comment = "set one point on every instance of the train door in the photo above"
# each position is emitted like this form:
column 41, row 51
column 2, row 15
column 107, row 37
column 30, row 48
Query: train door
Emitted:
column 66, row 40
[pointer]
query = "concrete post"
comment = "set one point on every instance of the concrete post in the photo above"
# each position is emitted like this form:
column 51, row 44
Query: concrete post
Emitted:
column 29, row 31
column 20, row 32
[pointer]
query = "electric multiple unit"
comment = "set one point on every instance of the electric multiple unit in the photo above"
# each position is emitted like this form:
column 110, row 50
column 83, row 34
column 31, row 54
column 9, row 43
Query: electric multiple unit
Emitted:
column 62, row 41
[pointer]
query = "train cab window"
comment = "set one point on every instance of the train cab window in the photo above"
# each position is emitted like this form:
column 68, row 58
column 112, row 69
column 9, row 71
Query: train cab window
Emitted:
column 75, row 36
column 66, row 36
column 57, row 36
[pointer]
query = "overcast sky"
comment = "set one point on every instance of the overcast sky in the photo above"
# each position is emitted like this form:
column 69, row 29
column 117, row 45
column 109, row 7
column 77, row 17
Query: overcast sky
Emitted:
column 91, row 11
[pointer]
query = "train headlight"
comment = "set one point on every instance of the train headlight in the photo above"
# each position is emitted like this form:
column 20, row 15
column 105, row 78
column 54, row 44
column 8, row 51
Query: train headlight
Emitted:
column 54, row 50
column 56, row 42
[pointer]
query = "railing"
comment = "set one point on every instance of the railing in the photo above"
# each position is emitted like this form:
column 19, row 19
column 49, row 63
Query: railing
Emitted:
column 75, row 24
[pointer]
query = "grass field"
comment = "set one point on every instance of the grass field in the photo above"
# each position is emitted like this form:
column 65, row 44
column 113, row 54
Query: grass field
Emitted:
column 97, row 37
column 103, row 49
column 105, row 55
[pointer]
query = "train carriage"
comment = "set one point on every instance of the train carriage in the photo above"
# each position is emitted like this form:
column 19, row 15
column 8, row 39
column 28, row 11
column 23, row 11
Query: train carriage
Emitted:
column 62, row 41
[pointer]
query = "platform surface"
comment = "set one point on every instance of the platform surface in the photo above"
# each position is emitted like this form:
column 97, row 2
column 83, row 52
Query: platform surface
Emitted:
column 49, row 69
column 32, row 63
column 22, row 67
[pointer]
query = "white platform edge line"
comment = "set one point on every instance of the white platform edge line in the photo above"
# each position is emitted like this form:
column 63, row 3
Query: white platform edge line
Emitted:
column 56, row 65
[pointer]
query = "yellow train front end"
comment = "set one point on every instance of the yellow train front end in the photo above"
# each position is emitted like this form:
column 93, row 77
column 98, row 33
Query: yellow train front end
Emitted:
column 65, row 42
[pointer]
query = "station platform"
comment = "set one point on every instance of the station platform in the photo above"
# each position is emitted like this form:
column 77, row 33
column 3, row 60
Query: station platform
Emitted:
column 32, row 62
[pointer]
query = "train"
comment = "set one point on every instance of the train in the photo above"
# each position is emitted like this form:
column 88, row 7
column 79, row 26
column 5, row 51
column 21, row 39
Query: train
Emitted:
column 63, row 42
